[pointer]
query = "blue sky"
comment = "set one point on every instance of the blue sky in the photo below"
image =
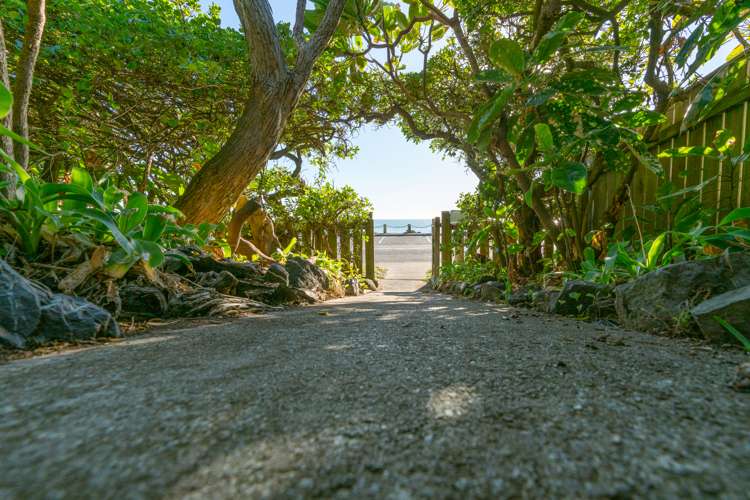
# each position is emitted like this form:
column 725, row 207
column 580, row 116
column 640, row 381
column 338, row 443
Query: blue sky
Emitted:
column 402, row 179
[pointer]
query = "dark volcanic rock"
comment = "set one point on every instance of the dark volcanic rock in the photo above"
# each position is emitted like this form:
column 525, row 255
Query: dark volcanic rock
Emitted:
column 660, row 300
column 142, row 301
column 31, row 315
column 305, row 274
column 276, row 274
column 578, row 296
column 492, row 290
column 65, row 317
column 19, row 306
column 523, row 296
column 733, row 307
column 223, row 281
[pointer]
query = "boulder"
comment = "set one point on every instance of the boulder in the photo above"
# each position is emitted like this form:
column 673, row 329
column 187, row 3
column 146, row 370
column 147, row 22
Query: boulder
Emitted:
column 352, row 288
column 458, row 288
column 20, row 308
column 485, row 279
column 492, row 290
column 305, row 274
column 31, row 315
column 544, row 300
column 286, row 294
column 142, row 301
column 65, row 317
column 733, row 307
column 223, row 281
column 578, row 296
column 181, row 261
column 523, row 296
column 276, row 274
column 661, row 299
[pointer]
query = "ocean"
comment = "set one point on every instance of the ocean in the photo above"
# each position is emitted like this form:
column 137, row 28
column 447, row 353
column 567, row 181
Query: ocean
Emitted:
column 399, row 225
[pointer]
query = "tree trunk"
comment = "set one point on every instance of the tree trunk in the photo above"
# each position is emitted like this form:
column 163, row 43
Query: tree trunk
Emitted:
column 215, row 188
column 275, row 91
column 35, row 20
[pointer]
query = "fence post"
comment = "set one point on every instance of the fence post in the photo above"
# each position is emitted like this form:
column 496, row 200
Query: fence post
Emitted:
column 333, row 243
column 370, row 249
column 435, row 249
column 460, row 249
column 445, row 240
column 357, row 237
column 346, row 245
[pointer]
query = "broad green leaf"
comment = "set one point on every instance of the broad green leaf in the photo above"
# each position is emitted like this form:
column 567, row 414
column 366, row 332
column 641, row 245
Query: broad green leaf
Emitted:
column 570, row 177
column 509, row 56
column 554, row 39
column 150, row 252
column 6, row 101
column 22, row 174
column 735, row 215
column 135, row 212
column 544, row 137
column 154, row 227
column 488, row 113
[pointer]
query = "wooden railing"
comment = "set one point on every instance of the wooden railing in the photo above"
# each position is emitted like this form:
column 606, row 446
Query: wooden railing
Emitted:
column 355, row 245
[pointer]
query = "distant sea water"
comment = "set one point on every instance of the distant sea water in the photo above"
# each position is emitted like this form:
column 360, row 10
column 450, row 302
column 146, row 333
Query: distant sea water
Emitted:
column 399, row 225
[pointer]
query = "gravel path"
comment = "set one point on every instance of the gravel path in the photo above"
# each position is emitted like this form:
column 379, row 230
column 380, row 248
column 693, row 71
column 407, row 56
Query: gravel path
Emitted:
column 395, row 395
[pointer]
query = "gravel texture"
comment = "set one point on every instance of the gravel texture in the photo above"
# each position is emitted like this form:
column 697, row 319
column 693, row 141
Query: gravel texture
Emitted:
column 390, row 395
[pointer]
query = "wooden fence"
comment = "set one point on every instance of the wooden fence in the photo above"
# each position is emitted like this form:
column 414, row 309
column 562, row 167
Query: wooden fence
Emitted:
column 354, row 245
column 730, row 190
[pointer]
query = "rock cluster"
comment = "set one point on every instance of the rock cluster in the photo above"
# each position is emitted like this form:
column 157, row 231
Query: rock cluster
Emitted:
column 190, row 283
column 684, row 298
column 31, row 314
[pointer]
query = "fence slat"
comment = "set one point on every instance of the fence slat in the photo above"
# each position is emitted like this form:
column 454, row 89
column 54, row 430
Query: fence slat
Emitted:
column 370, row 249
column 445, row 240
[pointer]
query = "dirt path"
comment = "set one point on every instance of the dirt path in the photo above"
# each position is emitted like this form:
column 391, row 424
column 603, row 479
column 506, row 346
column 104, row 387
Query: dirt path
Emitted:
column 390, row 395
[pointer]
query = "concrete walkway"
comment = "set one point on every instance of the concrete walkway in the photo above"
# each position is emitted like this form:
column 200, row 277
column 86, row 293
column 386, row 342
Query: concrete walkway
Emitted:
column 407, row 260
column 395, row 394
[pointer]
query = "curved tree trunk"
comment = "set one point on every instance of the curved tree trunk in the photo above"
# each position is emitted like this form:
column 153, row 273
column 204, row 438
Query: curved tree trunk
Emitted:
column 216, row 187
column 275, row 91
column 32, row 42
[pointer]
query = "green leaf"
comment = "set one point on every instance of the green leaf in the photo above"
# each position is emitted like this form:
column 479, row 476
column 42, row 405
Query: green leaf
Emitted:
column 488, row 113
column 570, row 177
column 690, row 189
column 686, row 151
column 544, row 137
column 735, row 332
column 554, row 39
column 6, row 101
column 509, row 56
column 80, row 177
column 154, row 227
column 655, row 251
column 150, row 252
column 736, row 214
column 134, row 214
column 22, row 174
column 527, row 196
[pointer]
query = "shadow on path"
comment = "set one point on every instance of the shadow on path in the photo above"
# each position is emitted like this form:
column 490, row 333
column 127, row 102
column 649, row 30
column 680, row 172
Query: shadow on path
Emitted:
column 391, row 394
